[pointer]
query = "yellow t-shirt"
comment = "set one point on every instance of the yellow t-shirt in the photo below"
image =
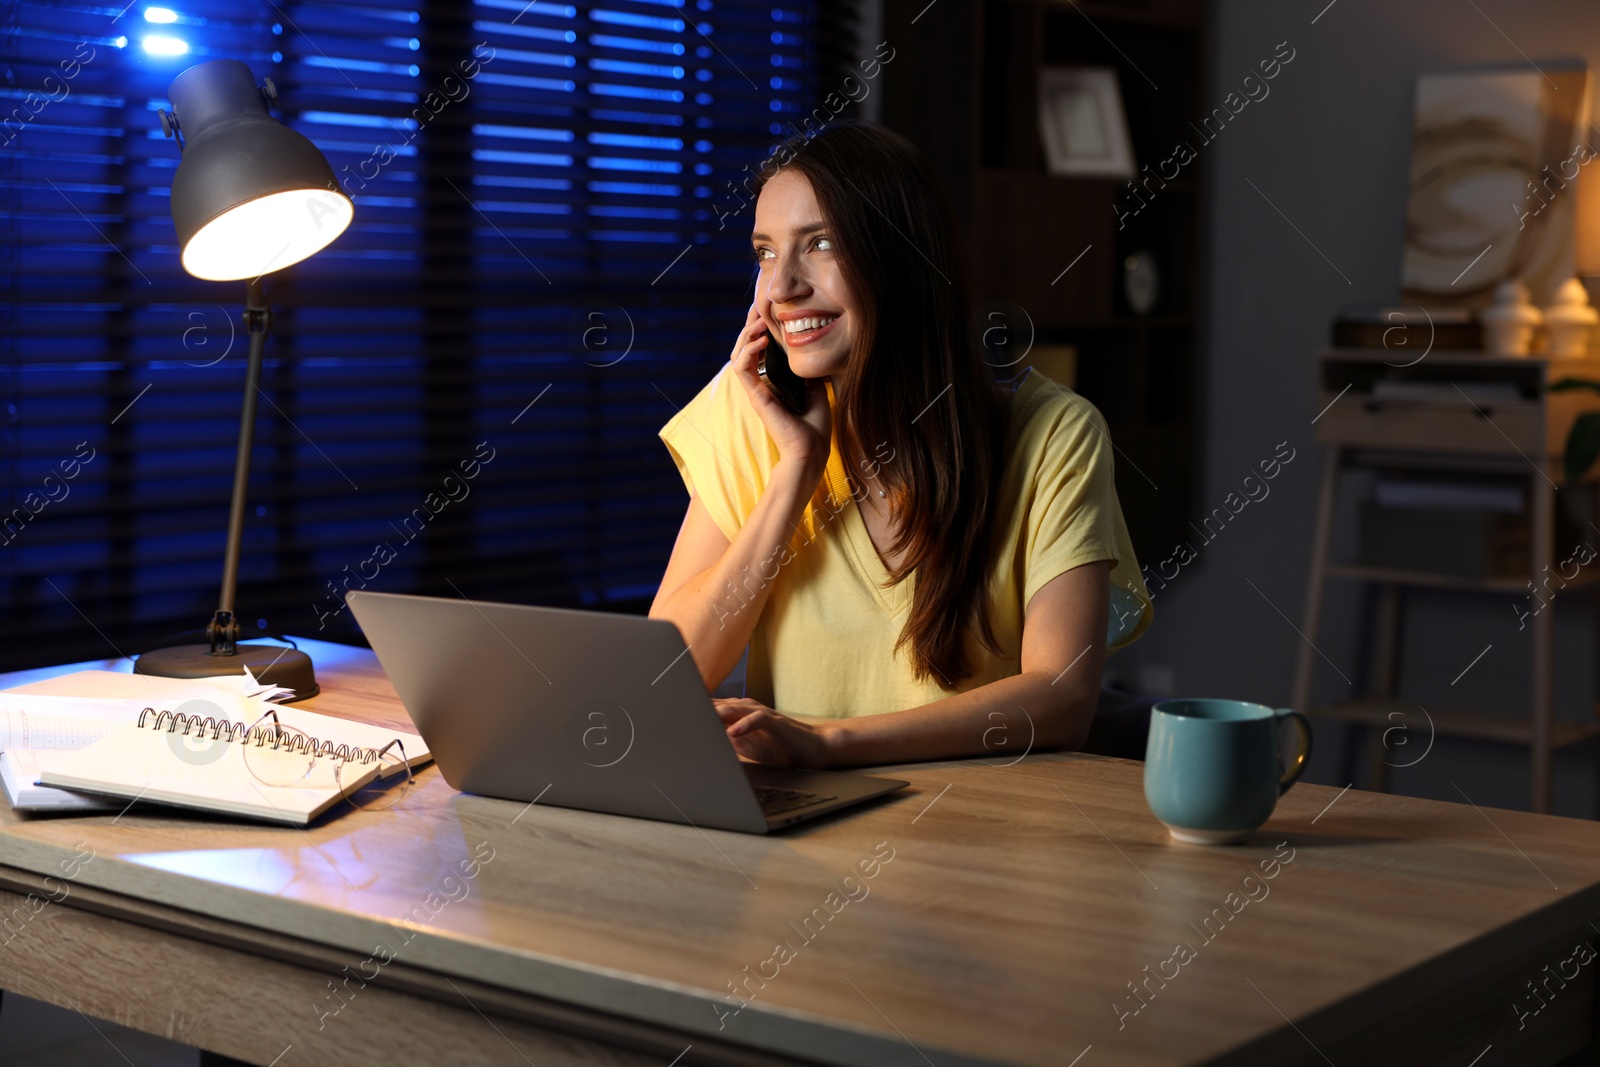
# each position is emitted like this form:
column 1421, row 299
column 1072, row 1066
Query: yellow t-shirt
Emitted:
column 823, row 645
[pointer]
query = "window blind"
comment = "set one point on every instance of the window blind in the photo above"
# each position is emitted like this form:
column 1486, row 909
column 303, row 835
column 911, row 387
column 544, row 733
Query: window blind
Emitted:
column 461, row 394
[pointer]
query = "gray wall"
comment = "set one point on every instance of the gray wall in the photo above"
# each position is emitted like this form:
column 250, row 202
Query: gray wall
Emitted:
column 1330, row 147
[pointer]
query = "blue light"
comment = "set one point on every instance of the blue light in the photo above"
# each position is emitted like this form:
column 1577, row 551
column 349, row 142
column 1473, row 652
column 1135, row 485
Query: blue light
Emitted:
column 165, row 46
column 632, row 140
column 121, row 42
column 160, row 14
column 659, row 166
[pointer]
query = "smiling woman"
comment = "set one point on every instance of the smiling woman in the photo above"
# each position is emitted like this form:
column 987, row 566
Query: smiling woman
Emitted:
column 921, row 551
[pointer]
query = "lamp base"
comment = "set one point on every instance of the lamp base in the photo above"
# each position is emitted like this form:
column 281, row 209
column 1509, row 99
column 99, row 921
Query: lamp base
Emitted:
column 271, row 664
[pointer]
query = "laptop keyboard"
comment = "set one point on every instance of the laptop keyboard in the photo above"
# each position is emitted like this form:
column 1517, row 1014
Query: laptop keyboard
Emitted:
column 775, row 801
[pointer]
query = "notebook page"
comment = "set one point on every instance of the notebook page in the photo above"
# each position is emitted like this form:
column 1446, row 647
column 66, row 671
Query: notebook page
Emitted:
column 237, row 778
column 28, row 721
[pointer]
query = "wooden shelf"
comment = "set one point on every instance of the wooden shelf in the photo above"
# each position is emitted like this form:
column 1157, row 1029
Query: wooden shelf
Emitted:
column 1533, row 426
column 1453, row 722
column 1520, row 436
column 1397, row 576
column 1465, row 357
column 1128, row 322
column 1172, row 14
column 1180, row 184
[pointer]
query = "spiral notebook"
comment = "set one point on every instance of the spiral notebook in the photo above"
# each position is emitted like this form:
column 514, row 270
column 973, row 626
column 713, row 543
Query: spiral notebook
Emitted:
column 273, row 769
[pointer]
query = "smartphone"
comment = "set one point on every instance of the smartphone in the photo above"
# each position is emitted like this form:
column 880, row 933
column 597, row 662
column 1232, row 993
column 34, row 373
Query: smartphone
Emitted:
column 774, row 369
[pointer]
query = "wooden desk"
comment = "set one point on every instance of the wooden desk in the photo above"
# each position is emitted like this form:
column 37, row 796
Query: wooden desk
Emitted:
column 1017, row 905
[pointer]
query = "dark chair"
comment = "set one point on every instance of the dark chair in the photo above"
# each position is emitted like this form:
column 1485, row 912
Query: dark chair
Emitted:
column 1121, row 725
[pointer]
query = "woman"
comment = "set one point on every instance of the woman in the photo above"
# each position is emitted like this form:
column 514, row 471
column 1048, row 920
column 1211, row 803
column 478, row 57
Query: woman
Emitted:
column 921, row 561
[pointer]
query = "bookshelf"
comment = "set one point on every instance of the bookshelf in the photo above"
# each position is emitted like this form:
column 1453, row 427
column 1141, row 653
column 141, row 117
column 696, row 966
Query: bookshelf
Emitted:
column 964, row 88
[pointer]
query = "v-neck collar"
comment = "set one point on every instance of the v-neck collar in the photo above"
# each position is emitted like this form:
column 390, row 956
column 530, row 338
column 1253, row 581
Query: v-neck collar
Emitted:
column 870, row 567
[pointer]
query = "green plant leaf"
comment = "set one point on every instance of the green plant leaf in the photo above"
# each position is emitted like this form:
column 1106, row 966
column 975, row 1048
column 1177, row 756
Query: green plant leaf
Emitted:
column 1583, row 445
column 1568, row 385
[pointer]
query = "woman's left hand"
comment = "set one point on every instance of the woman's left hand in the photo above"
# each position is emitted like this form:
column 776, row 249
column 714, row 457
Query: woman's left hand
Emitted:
column 758, row 733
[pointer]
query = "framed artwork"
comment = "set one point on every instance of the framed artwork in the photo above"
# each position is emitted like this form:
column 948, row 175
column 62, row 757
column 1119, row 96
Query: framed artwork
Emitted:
column 1492, row 189
column 1081, row 121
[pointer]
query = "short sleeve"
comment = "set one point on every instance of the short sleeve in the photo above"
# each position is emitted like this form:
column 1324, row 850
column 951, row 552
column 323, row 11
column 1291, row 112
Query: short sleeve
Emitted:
column 1075, row 517
column 722, row 450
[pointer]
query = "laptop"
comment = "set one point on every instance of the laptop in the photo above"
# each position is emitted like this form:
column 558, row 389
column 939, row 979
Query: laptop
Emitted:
column 582, row 709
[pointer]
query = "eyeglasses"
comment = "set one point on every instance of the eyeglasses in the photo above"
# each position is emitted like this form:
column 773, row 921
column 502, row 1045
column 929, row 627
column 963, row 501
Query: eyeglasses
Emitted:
column 287, row 758
column 382, row 791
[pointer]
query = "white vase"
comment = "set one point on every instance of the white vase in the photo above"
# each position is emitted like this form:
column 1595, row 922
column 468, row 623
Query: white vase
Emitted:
column 1508, row 323
column 1570, row 321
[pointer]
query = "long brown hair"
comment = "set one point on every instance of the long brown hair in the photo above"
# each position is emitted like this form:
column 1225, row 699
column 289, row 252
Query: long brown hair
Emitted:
column 916, row 381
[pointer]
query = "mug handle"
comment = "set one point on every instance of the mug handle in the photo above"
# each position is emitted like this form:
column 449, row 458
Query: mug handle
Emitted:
column 1303, row 755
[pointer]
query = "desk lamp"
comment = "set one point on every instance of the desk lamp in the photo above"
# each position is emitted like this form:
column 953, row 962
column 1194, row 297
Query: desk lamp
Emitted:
column 250, row 196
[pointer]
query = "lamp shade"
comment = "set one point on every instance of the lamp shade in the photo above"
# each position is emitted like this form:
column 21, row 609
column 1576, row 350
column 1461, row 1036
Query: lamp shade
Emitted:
column 251, row 195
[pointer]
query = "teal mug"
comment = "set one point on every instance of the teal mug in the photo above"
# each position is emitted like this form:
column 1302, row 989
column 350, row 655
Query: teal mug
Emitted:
column 1212, row 771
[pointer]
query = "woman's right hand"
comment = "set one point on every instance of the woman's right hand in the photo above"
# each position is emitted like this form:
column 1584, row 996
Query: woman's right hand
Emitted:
column 802, row 439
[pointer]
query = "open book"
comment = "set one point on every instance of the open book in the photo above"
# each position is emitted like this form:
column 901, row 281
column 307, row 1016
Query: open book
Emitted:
column 214, row 751
column 34, row 730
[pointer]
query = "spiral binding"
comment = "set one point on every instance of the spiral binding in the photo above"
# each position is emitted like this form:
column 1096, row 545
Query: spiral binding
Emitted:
column 265, row 736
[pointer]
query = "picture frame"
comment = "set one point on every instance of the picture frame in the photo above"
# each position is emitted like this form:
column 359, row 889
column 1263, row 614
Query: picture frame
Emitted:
column 1496, row 155
column 1082, row 123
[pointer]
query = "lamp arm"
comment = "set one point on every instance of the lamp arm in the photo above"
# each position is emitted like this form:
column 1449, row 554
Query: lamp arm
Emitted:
column 223, row 630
